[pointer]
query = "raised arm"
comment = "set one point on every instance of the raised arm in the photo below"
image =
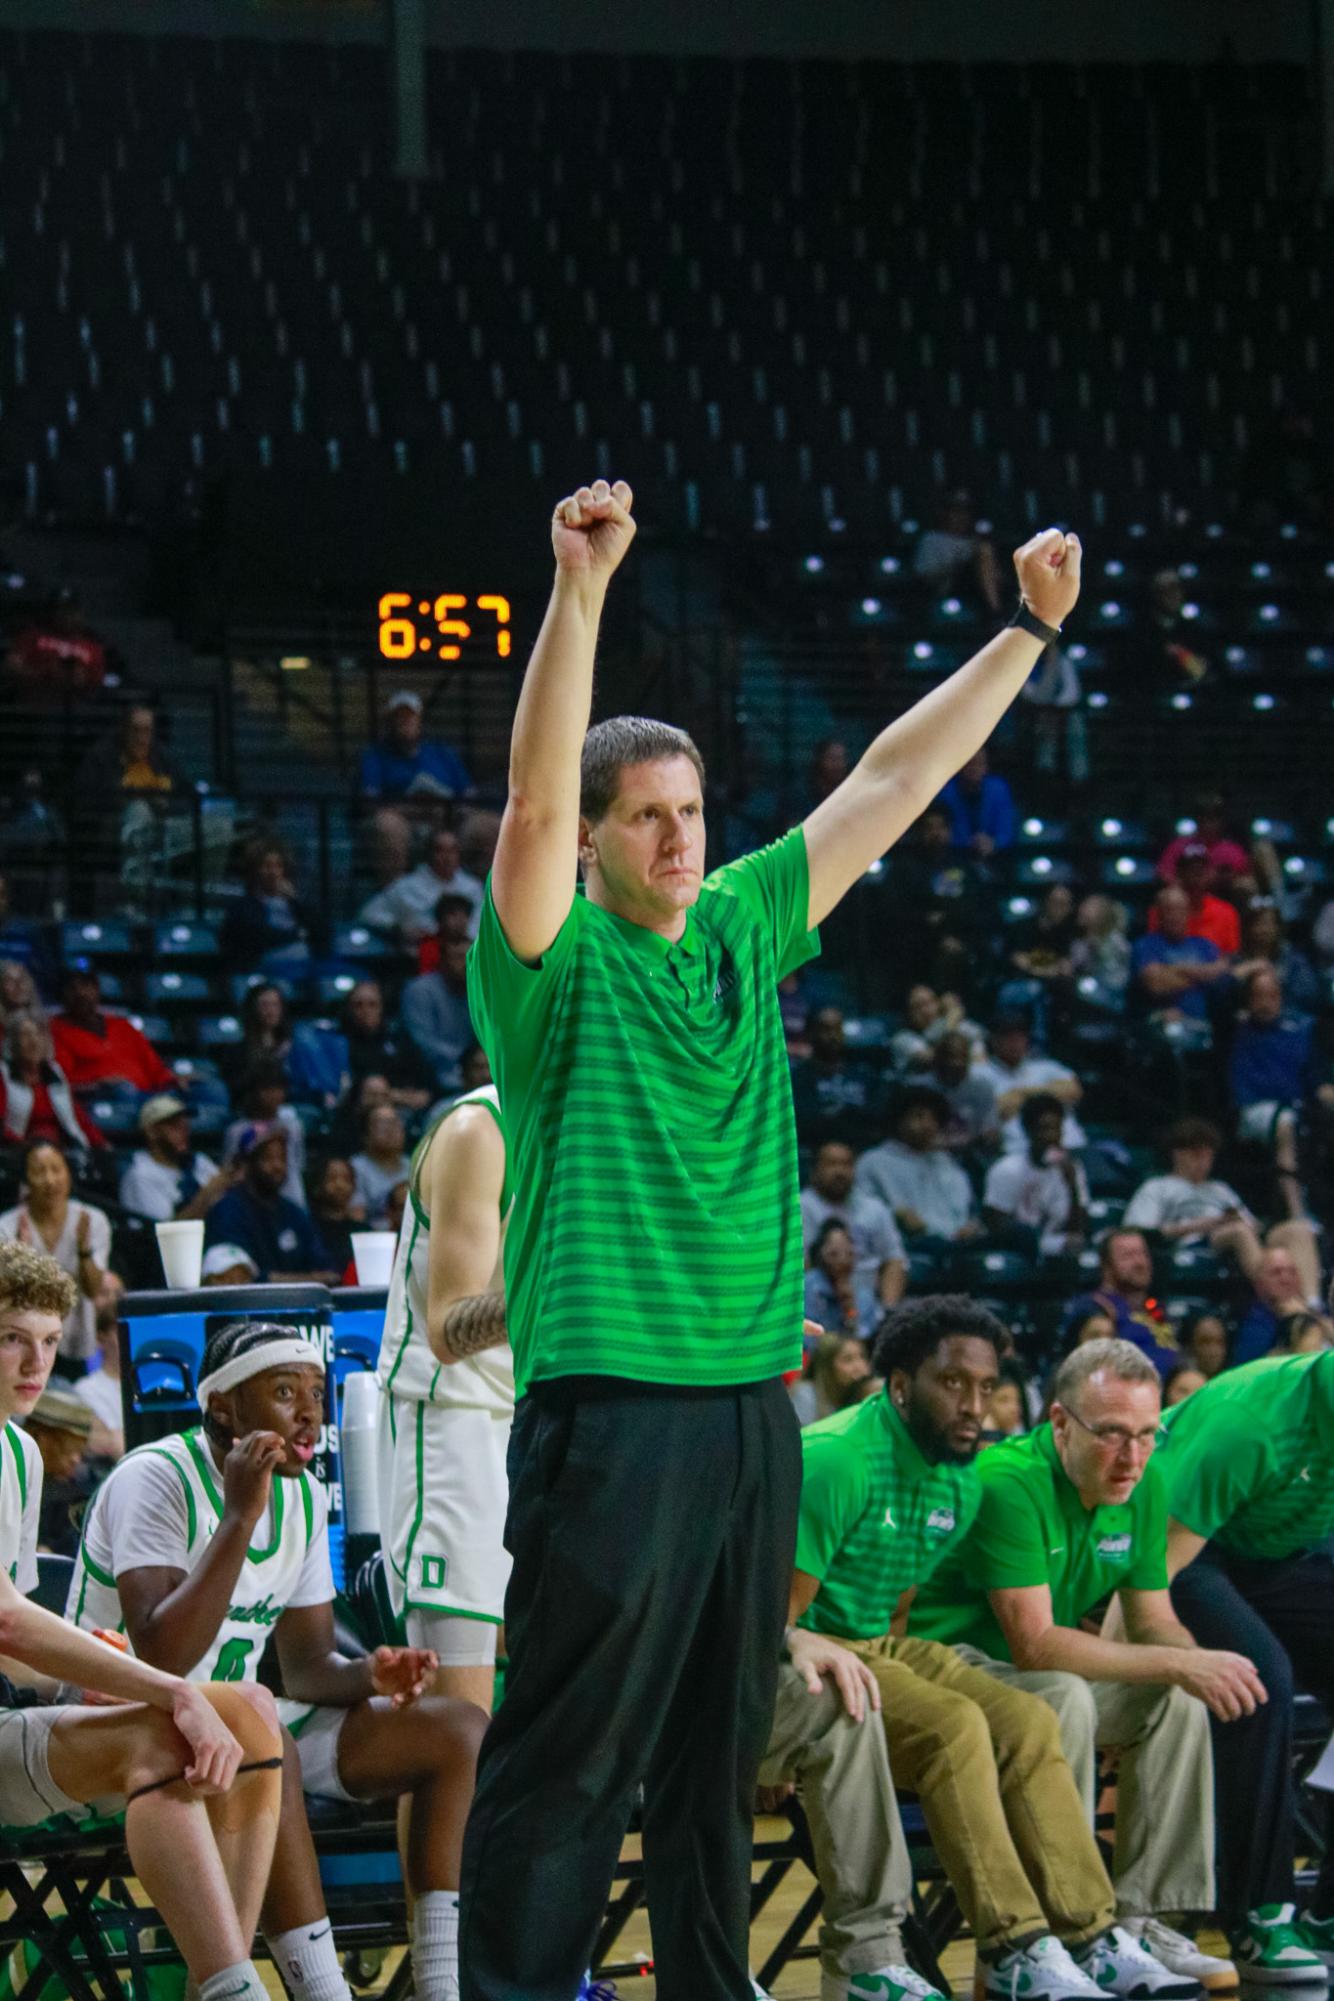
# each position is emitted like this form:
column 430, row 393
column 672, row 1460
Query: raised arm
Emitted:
column 904, row 769
column 463, row 1180
column 533, row 876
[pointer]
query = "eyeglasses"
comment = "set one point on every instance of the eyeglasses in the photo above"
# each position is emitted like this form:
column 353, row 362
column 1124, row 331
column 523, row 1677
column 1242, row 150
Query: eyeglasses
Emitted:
column 1115, row 1436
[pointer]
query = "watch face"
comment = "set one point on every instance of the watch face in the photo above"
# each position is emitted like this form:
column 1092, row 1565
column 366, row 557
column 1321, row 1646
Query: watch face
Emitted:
column 414, row 626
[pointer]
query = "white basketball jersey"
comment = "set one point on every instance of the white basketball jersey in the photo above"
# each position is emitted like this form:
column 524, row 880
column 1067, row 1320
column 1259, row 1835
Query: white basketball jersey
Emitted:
column 296, row 1516
column 407, row 1367
column 20, row 1504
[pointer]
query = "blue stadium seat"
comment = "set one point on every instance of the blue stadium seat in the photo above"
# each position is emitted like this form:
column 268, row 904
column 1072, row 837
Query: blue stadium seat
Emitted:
column 105, row 938
column 178, row 989
column 181, row 941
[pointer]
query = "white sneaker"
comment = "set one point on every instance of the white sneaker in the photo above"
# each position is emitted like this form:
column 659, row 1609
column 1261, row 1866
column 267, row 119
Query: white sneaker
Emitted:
column 887, row 1983
column 1180, row 1954
column 1119, row 1964
column 1040, row 1971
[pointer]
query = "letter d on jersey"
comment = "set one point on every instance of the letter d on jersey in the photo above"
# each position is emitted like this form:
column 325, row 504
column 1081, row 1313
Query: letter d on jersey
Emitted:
column 433, row 1570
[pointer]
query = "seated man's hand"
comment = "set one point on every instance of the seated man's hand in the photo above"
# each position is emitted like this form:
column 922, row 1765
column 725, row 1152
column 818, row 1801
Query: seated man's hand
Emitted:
column 402, row 1673
column 1227, row 1683
column 814, row 1657
column 909, row 1221
column 772, row 1799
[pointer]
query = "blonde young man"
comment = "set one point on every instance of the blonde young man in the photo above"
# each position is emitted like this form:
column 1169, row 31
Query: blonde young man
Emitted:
column 198, row 1770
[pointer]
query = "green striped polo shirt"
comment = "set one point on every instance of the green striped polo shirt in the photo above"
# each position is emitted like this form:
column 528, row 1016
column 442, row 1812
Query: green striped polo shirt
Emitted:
column 1249, row 1459
column 655, row 1232
column 876, row 1517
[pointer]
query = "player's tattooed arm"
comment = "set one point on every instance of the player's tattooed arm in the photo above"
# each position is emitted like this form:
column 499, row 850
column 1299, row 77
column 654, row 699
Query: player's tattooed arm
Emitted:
column 473, row 1324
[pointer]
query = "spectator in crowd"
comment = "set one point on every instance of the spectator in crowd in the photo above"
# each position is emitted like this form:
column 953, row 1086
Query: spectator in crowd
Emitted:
column 255, row 1215
column 18, row 990
column 1089, row 1323
column 1204, row 1341
column 983, row 819
column 829, row 766
column 1228, row 860
column 36, row 1101
column 1208, row 916
column 1041, row 946
column 969, row 1093
column 1303, row 1334
column 99, row 1051
column 58, row 655
column 267, row 926
column 266, row 1028
column 1060, row 738
column 955, row 555
column 1182, row 1382
column 78, row 1236
column 128, row 765
column 262, row 1096
column 938, row 903
column 60, row 1426
column 1043, row 1189
column 396, row 1206
column 327, row 1064
column 928, row 1017
column 838, row 1367
column 479, row 830
column 455, row 918
column 1245, row 1467
column 831, row 1196
column 228, row 1264
column 1273, row 1069
column 1125, row 1293
column 1067, row 1516
column 21, row 943
column 1277, row 1291
column 436, row 1018
column 1005, row 1414
column 100, row 1388
column 1100, row 950
column 834, row 1089
column 168, row 1177
column 1166, row 617
column 1189, row 1206
column 927, row 1191
column 406, row 910
column 346, row 1127
column 335, row 1207
column 1265, row 946
column 381, row 1164
column 1017, row 1074
column 1172, row 972
column 406, row 764
column 836, row 1296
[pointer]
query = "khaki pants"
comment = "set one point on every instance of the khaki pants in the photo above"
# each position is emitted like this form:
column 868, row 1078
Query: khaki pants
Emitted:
column 1164, row 1857
column 861, row 1857
column 1003, row 1809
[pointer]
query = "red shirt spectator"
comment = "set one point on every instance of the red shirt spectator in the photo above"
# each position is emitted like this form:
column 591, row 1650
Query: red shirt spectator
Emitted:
column 59, row 653
column 1210, row 917
column 93, row 1047
column 36, row 1102
column 1227, row 858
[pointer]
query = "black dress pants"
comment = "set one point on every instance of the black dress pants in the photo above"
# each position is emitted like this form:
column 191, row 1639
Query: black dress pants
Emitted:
column 1280, row 1614
column 653, row 1534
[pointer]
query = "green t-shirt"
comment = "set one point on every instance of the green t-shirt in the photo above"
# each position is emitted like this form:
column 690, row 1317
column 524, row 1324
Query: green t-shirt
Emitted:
column 1032, row 1528
column 1249, row 1459
column 876, row 1517
column 655, row 1231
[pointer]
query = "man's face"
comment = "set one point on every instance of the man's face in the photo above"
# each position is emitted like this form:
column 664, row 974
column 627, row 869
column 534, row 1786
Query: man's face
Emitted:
column 834, row 1166
column 445, row 855
column 976, row 768
column 1129, row 1266
column 827, row 1034
column 1010, row 1046
column 170, row 1138
column 944, row 1404
column 1265, row 999
column 454, row 962
column 405, row 726
column 83, row 997
column 1193, row 874
column 1277, row 1280
column 953, row 1060
column 921, row 1008
column 271, row 873
column 139, row 735
column 935, row 830
column 1173, row 912
column 28, row 1344
column 1106, row 1463
column 290, row 1401
column 365, row 1008
column 645, row 856
column 919, row 1128
column 266, row 1169
column 1193, row 1163
column 1044, row 1132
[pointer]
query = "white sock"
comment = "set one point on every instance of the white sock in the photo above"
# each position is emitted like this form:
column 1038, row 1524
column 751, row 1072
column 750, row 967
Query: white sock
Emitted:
column 229, row 1982
column 435, row 1946
column 307, row 1959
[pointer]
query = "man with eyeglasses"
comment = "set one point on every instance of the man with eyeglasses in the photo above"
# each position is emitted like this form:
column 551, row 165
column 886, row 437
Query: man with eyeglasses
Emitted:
column 1072, row 1514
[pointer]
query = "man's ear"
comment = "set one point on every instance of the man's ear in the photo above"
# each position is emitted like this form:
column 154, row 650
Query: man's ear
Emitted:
column 588, row 853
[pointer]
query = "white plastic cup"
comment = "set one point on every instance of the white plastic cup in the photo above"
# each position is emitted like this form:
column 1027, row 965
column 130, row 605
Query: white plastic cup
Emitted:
column 373, row 1255
column 182, row 1250
column 358, row 1440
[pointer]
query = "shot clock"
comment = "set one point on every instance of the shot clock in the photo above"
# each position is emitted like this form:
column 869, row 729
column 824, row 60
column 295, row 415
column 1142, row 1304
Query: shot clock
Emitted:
column 412, row 627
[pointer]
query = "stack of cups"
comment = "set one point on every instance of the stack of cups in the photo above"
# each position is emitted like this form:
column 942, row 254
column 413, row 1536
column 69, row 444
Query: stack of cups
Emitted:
column 182, row 1250
column 373, row 1255
column 357, row 1435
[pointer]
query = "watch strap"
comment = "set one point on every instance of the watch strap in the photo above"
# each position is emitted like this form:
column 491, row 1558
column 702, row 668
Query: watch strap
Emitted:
column 1028, row 621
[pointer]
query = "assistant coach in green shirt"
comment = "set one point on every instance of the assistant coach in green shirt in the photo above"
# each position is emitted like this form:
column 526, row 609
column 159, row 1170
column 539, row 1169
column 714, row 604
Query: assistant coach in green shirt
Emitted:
column 1248, row 1464
column 654, row 1277
column 1072, row 1514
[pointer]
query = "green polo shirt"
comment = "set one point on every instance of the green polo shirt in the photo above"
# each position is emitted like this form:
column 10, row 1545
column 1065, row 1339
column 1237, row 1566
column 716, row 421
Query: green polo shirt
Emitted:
column 876, row 1517
column 1249, row 1459
column 1032, row 1528
column 655, row 1232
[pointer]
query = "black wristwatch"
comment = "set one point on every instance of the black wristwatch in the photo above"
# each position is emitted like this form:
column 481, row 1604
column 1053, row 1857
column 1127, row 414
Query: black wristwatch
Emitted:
column 1028, row 621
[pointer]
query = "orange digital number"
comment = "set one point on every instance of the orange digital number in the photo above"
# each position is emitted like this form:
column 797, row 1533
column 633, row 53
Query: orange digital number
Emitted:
column 398, row 636
column 450, row 628
column 501, row 607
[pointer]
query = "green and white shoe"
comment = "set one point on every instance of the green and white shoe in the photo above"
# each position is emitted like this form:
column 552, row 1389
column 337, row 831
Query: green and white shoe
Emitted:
column 1271, row 1950
column 887, row 1983
column 1318, row 1933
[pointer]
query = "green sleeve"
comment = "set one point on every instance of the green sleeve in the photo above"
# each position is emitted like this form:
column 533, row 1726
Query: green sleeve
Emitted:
column 1149, row 1571
column 774, row 884
column 510, row 1001
column 1211, row 1470
column 834, row 1478
column 1007, row 1547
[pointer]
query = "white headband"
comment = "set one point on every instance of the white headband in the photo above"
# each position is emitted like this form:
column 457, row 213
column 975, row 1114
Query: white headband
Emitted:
column 296, row 1352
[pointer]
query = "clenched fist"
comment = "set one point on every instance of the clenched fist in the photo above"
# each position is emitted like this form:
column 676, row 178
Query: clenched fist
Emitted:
column 1048, row 573
column 593, row 528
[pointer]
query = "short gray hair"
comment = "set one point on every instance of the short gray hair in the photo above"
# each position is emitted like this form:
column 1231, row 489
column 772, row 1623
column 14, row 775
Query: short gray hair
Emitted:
column 609, row 747
column 1121, row 1360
